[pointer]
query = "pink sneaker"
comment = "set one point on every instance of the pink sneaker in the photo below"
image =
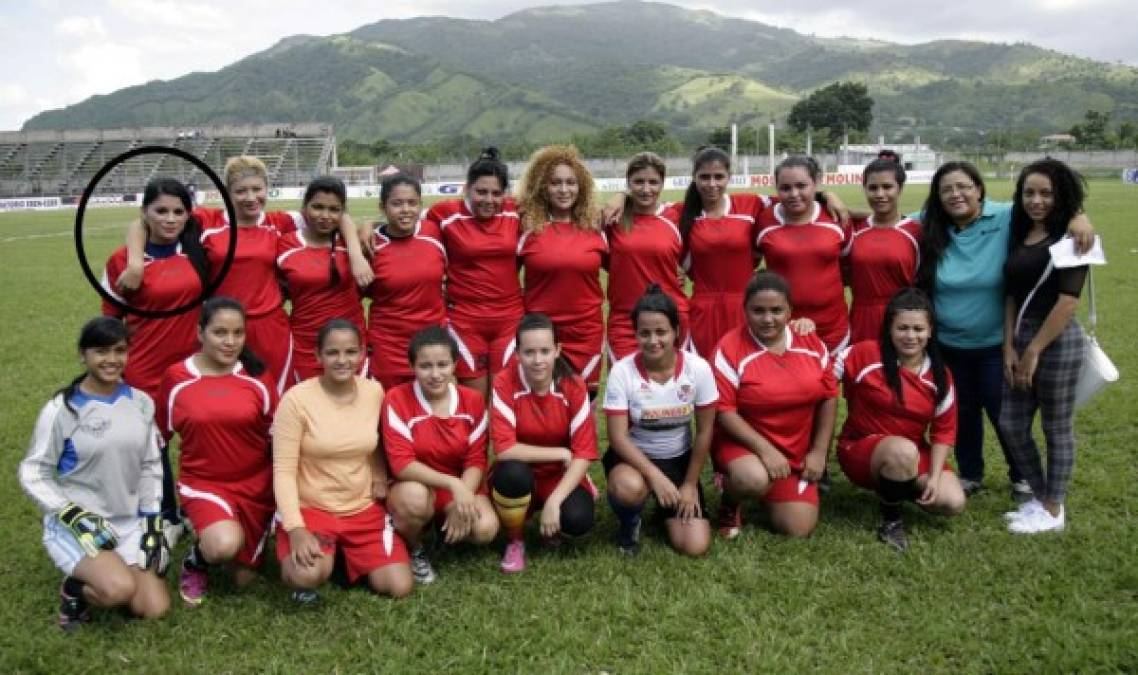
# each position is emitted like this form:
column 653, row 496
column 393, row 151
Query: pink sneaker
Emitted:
column 514, row 559
column 192, row 585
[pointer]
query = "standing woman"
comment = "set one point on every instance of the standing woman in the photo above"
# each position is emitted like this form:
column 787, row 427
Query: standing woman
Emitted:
column 480, row 233
column 93, row 468
column 1043, row 344
column 404, row 297
column 963, row 251
column 434, row 434
column 651, row 399
column 328, row 474
column 884, row 249
column 563, row 250
column 313, row 263
column 901, row 422
column 803, row 244
column 174, row 273
column 544, row 441
column 777, row 405
column 645, row 247
column 220, row 401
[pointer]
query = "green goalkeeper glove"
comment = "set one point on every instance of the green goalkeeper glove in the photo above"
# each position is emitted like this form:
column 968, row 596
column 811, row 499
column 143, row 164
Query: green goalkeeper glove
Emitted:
column 91, row 530
column 153, row 550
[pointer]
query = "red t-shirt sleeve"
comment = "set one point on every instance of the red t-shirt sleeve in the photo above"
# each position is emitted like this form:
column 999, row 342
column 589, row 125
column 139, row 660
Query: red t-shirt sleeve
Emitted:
column 943, row 428
column 476, row 443
column 582, row 425
column 161, row 405
column 726, row 377
column 398, row 443
column 503, row 417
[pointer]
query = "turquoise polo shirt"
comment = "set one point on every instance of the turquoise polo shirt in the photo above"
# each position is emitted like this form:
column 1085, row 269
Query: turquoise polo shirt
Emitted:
column 969, row 294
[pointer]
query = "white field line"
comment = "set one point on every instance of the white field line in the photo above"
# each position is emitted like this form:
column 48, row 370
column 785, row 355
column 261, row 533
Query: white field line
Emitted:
column 48, row 235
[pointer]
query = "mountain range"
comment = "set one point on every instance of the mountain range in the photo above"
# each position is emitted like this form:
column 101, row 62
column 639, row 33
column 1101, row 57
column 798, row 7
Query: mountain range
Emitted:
column 546, row 73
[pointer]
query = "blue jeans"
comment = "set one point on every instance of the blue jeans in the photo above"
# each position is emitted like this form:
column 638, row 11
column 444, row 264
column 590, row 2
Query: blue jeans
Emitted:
column 979, row 378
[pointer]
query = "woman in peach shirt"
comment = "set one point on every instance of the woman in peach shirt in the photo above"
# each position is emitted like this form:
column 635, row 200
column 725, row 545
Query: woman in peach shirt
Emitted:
column 328, row 475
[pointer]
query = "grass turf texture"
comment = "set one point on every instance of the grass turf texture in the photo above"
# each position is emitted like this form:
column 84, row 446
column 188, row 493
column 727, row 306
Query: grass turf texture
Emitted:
column 967, row 597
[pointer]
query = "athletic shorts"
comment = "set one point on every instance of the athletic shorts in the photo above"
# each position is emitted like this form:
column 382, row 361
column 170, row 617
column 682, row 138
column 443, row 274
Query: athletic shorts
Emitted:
column 713, row 315
column 387, row 352
column 545, row 482
column 675, row 468
column 484, row 345
column 855, row 458
column 207, row 503
column 582, row 343
column 367, row 539
column 790, row 489
column 66, row 552
column 270, row 339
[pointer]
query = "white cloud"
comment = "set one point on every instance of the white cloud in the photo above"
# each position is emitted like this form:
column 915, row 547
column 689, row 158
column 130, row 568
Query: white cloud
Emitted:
column 102, row 67
column 81, row 27
column 170, row 14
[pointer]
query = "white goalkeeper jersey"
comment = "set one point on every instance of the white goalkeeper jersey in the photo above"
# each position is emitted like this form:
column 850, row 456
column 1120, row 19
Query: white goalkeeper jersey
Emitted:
column 105, row 456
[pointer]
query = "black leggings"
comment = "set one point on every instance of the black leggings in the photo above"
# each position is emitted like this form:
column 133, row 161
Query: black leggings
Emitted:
column 513, row 479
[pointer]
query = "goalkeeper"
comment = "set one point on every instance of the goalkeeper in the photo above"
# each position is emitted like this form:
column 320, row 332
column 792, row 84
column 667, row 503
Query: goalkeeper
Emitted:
column 94, row 469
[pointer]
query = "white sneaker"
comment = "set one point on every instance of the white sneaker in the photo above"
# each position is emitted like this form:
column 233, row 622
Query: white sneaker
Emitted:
column 1039, row 521
column 421, row 568
column 1025, row 509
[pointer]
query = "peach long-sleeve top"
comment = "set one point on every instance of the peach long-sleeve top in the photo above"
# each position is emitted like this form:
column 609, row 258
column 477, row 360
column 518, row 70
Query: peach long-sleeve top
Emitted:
column 324, row 452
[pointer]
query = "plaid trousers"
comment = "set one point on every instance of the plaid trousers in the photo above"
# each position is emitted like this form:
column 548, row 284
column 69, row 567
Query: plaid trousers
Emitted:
column 1052, row 393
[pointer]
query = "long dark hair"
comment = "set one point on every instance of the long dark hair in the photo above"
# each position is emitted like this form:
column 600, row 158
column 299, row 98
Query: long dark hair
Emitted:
column 693, row 203
column 910, row 300
column 539, row 321
column 335, row 187
column 190, row 239
column 249, row 361
column 1069, row 189
column 936, row 222
column 489, row 163
column 656, row 300
column 639, row 162
column 102, row 331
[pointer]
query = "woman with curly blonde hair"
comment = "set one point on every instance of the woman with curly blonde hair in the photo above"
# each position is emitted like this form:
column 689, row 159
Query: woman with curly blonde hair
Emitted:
column 562, row 249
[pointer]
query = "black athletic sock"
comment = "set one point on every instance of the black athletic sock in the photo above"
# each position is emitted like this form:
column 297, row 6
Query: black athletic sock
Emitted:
column 73, row 587
column 898, row 490
column 890, row 511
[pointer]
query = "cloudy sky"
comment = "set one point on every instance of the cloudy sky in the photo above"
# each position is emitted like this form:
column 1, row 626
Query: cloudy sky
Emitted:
column 58, row 52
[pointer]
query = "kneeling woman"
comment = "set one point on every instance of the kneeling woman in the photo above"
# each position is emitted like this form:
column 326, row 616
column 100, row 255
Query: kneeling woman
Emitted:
column 651, row 398
column 544, row 439
column 328, row 474
column 899, row 388
column 93, row 467
column 777, row 404
column 220, row 401
column 434, row 434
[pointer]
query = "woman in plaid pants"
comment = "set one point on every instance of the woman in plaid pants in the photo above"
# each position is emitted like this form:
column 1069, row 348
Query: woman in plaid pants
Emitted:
column 1043, row 344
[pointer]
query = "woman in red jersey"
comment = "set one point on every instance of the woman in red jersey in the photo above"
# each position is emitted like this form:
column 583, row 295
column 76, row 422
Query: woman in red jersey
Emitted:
column 313, row 263
column 645, row 248
column 252, row 279
column 434, row 434
column 804, row 245
column 544, row 440
column 484, row 297
column 220, row 402
column 902, row 416
column 884, row 249
column 563, row 250
column 405, row 297
column 777, row 404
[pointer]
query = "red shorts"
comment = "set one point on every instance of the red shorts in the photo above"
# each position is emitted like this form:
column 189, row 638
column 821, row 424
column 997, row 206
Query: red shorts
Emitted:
column 270, row 339
column 208, row 503
column 855, row 458
column 387, row 352
column 582, row 342
column 368, row 539
column 484, row 346
column 713, row 315
column 865, row 320
column 789, row 489
column 621, row 338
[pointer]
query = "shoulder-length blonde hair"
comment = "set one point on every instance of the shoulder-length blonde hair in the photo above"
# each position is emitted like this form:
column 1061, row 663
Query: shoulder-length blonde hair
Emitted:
column 532, row 191
column 243, row 166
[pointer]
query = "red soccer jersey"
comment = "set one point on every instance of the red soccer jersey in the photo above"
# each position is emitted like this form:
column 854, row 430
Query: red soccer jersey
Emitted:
column 223, row 421
column 283, row 221
column 776, row 394
column 563, row 265
column 156, row 344
column 252, row 280
column 873, row 409
column 562, row 418
column 808, row 256
column 882, row 261
column 306, row 271
column 720, row 252
column 482, row 266
column 448, row 445
column 648, row 253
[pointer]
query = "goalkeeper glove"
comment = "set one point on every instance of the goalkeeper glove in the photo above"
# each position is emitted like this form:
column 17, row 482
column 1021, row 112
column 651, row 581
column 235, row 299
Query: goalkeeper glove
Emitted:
column 153, row 550
column 91, row 530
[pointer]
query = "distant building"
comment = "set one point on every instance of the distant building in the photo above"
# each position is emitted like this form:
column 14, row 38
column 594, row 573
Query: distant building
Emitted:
column 1055, row 141
column 914, row 156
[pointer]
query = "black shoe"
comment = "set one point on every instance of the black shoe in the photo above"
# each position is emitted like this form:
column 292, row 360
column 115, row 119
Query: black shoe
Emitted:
column 304, row 598
column 892, row 532
column 824, row 483
column 971, row 487
column 73, row 610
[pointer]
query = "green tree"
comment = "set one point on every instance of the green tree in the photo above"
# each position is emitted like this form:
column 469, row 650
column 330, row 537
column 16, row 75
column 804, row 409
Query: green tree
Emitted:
column 1094, row 132
column 837, row 108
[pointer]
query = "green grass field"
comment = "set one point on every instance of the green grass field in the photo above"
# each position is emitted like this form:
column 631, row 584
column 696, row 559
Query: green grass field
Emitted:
column 967, row 597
